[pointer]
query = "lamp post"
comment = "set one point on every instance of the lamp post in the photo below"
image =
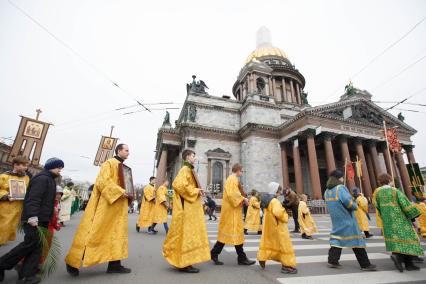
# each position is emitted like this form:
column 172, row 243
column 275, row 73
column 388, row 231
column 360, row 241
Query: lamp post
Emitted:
column 153, row 166
column 243, row 145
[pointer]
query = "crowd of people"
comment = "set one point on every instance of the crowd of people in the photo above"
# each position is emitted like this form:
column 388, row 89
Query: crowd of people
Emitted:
column 102, row 235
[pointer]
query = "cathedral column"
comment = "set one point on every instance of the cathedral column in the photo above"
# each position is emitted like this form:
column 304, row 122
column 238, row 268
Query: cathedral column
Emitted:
column 365, row 177
column 329, row 155
column 410, row 155
column 370, row 169
column 267, row 88
column 293, row 96
column 285, row 99
column 298, row 93
column 162, row 168
column 404, row 174
column 384, row 150
column 274, row 88
column 313, row 164
column 209, row 171
column 297, row 167
column 374, row 158
column 284, row 164
column 346, row 157
column 271, row 92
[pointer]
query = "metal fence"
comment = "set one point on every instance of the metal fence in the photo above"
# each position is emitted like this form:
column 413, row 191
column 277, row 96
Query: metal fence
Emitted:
column 317, row 206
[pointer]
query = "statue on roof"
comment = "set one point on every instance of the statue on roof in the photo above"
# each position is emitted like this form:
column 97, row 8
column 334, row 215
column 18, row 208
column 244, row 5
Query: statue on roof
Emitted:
column 350, row 90
column 304, row 97
column 401, row 117
column 196, row 86
column 166, row 120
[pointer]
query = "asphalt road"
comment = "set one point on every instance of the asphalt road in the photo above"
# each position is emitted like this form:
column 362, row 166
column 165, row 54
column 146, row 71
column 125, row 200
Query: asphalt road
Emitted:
column 148, row 265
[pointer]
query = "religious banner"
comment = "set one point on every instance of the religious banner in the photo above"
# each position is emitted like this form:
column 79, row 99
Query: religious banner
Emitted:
column 416, row 179
column 105, row 150
column 393, row 141
column 350, row 172
column 29, row 139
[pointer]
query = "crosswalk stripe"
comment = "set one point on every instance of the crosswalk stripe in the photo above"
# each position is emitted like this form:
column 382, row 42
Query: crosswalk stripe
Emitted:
column 360, row 277
column 258, row 240
column 305, row 247
column 323, row 258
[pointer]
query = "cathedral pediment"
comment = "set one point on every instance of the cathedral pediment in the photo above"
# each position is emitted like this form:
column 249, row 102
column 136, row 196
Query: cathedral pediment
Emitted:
column 359, row 111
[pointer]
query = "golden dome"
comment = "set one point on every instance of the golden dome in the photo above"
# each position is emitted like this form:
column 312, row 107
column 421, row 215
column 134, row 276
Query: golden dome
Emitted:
column 265, row 51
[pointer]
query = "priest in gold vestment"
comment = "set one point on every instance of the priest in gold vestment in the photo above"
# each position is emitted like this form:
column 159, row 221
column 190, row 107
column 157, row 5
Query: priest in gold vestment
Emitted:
column 147, row 208
column 186, row 242
column 10, row 208
column 231, row 229
column 102, row 235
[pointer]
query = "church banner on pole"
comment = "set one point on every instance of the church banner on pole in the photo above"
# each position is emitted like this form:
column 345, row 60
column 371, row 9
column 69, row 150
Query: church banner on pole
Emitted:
column 29, row 139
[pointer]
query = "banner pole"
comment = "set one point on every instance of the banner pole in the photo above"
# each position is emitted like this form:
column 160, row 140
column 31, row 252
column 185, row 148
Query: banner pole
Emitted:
column 388, row 151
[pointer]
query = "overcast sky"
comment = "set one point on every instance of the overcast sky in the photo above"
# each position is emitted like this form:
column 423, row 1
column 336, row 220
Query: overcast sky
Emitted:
column 151, row 49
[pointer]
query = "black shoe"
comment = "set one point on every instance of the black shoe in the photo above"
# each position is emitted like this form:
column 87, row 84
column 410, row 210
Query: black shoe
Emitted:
column 304, row 236
column 18, row 269
column 371, row 267
column 189, row 269
column 417, row 259
column 368, row 235
column 245, row 232
column 411, row 267
column 334, row 265
column 216, row 260
column 29, row 280
column 72, row 270
column 119, row 269
column 246, row 262
column 137, row 228
column 210, row 219
column 259, row 232
column 288, row 270
column 295, row 231
column 262, row 264
column 398, row 263
column 1, row 275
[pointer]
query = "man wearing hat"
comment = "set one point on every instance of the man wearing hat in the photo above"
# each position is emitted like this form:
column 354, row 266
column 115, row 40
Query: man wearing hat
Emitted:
column 38, row 210
column 345, row 232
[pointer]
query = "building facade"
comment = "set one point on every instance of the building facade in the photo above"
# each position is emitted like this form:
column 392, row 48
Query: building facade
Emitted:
column 270, row 129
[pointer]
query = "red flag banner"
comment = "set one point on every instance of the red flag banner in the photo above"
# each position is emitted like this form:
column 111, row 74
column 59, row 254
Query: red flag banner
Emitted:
column 350, row 172
column 393, row 141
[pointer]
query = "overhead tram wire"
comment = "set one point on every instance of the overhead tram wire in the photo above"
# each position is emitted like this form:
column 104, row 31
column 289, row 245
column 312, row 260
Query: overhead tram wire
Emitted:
column 75, row 53
column 399, row 73
column 374, row 59
column 388, row 48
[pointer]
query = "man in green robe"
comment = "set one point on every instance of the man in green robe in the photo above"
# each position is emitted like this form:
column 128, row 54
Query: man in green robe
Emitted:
column 397, row 214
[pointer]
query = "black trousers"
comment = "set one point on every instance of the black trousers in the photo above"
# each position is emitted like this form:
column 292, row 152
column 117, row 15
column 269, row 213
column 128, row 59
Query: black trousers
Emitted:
column 29, row 250
column 360, row 253
column 218, row 247
column 295, row 213
column 407, row 259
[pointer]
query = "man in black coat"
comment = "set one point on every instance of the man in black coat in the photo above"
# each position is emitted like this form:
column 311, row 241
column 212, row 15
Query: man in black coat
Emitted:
column 38, row 210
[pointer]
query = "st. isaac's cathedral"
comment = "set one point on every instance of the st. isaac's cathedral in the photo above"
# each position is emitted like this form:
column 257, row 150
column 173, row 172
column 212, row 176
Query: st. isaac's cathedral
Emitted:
column 270, row 128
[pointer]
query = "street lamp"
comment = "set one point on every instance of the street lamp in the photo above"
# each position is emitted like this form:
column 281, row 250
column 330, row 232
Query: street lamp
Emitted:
column 244, row 165
column 153, row 166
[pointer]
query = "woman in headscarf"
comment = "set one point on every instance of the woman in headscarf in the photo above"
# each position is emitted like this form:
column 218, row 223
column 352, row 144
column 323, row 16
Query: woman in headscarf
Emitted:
column 275, row 243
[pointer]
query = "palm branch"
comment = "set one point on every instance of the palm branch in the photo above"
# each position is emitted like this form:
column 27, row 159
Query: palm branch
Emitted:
column 52, row 250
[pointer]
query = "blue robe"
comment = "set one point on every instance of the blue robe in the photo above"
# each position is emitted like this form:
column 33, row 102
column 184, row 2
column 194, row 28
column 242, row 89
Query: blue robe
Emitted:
column 345, row 231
